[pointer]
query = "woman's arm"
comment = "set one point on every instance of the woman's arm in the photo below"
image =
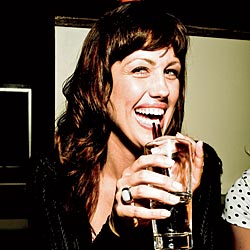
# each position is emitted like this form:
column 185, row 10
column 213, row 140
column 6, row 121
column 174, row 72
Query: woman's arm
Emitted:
column 241, row 237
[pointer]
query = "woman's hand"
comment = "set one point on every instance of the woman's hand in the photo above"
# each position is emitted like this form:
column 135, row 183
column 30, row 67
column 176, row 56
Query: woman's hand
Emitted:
column 143, row 185
column 198, row 160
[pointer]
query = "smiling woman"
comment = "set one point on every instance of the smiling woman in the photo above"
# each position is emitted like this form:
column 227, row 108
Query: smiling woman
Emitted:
column 130, row 74
column 150, row 81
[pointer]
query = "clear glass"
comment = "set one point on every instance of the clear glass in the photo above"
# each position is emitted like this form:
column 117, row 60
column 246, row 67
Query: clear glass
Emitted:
column 174, row 232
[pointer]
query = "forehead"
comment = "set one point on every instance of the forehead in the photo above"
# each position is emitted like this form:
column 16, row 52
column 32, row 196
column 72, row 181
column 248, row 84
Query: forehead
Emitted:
column 147, row 55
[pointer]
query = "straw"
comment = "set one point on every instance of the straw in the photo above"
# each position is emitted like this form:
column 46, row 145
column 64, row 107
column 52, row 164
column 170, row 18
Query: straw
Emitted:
column 156, row 131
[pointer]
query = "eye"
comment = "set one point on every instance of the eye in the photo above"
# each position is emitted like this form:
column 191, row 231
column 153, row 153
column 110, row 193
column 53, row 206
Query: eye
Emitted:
column 171, row 74
column 140, row 71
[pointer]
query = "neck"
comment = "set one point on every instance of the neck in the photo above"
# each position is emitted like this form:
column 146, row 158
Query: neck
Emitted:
column 119, row 157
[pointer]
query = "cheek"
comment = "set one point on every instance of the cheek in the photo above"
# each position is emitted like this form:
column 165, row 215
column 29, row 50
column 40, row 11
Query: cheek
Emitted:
column 119, row 99
column 174, row 95
column 119, row 94
column 126, row 91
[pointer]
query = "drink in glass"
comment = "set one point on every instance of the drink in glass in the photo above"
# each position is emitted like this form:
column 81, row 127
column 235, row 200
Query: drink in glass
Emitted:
column 174, row 232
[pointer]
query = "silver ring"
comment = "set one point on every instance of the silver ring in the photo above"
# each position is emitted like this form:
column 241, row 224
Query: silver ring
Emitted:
column 126, row 196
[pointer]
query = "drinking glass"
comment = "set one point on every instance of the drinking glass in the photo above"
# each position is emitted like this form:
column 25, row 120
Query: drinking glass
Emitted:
column 174, row 232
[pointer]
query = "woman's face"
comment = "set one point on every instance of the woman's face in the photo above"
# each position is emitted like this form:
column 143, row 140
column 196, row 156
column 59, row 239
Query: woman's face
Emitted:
column 145, row 90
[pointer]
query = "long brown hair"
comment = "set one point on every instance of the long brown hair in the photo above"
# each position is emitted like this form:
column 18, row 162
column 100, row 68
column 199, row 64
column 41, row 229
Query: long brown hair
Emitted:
column 84, row 128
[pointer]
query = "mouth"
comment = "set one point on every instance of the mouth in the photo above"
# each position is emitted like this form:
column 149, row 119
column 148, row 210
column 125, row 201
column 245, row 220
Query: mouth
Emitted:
column 147, row 116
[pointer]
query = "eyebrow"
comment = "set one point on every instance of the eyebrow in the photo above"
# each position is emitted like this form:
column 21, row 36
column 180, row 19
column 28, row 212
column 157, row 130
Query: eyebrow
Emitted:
column 174, row 60
column 148, row 60
column 141, row 58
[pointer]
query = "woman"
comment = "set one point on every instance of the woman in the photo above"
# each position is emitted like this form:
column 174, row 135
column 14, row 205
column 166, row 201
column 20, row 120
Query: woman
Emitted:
column 237, row 211
column 130, row 74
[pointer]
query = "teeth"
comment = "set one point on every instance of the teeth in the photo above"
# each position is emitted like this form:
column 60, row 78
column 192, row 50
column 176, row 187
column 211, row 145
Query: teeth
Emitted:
column 147, row 121
column 150, row 111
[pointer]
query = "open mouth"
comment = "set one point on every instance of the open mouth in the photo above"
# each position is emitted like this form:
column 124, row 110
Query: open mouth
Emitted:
column 147, row 116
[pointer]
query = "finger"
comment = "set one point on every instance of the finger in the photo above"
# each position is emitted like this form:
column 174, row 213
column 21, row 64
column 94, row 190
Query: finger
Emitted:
column 149, row 192
column 187, row 140
column 142, row 163
column 181, row 136
column 148, row 177
column 199, row 155
column 145, row 161
column 198, row 160
column 197, row 148
column 142, row 212
column 198, row 164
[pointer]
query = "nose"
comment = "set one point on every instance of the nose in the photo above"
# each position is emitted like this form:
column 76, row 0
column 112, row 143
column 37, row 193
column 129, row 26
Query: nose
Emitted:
column 159, row 88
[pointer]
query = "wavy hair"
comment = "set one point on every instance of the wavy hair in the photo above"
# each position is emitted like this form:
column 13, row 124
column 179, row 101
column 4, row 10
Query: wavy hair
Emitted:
column 84, row 128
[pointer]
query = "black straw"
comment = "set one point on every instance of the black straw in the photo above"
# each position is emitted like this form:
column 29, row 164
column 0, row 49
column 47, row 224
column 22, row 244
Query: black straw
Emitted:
column 156, row 132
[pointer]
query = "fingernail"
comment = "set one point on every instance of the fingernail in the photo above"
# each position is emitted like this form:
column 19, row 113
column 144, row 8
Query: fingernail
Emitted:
column 179, row 135
column 170, row 162
column 177, row 185
column 155, row 150
column 174, row 198
column 165, row 213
